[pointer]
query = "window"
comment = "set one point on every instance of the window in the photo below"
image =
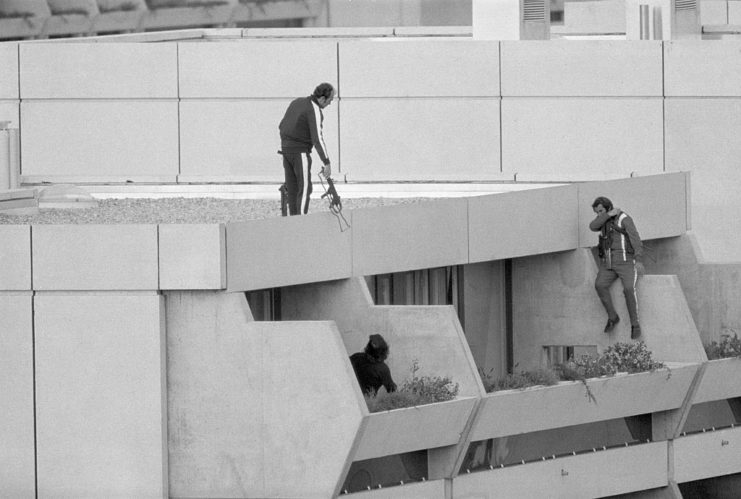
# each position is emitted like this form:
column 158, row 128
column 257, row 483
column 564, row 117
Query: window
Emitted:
column 264, row 304
column 438, row 286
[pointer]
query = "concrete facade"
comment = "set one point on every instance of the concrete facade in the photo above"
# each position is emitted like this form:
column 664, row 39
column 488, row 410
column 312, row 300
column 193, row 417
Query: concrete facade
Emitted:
column 135, row 367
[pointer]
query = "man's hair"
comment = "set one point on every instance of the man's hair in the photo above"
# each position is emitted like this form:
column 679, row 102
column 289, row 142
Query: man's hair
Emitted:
column 323, row 90
column 377, row 347
column 605, row 202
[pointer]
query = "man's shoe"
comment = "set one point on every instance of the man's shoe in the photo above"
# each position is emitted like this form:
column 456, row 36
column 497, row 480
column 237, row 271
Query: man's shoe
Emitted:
column 611, row 323
column 635, row 332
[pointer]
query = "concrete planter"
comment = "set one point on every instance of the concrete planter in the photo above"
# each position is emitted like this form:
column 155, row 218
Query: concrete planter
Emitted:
column 513, row 412
column 414, row 428
column 715, row 381
column 594, row 474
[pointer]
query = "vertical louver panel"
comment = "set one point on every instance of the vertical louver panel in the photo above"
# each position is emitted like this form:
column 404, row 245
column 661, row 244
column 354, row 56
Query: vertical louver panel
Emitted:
column 533, row 10
column 685, row 5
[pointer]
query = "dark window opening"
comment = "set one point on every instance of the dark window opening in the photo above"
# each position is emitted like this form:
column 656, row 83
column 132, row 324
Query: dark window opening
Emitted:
column 264, row 304
column 387, row 471
column 713, row 416
column 438, row 286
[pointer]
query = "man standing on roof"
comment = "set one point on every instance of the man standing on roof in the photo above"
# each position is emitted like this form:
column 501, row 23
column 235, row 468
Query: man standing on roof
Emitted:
column 301, row 129
column 620, row 251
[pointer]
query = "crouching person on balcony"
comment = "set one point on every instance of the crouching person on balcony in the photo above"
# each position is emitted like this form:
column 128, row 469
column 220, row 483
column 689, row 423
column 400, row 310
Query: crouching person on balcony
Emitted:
column 620, row 251
column 370, row 366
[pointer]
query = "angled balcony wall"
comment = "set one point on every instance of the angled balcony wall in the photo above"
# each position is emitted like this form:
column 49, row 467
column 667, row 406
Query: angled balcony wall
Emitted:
column 707, row 454
column 714, row 383
column 593, row 474
column 430, row 335
column 274, row 410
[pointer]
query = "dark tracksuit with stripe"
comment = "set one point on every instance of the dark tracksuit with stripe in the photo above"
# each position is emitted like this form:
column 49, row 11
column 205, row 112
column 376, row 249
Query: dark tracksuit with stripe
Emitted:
column 625, row 248
column 301, row 129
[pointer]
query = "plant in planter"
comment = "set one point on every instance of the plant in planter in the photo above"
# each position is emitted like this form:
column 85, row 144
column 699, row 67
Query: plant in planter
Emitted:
column 728, row 346
column 414, row 391
column 518, row 380
column 632, row 357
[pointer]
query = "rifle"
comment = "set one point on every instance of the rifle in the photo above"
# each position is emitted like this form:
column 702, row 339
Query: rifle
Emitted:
column 335, row 202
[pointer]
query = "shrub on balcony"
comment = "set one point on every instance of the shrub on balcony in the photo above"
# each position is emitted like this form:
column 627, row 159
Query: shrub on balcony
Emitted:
column 728, row 346
column 632, row 357
column 416, row 390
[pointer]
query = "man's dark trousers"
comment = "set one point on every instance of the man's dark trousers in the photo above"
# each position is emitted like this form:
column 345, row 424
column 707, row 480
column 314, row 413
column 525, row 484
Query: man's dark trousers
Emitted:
column 297, row 167
column 627, row 273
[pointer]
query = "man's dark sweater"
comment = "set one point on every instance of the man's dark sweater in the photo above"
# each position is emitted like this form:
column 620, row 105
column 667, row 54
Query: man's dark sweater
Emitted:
column 371, row 373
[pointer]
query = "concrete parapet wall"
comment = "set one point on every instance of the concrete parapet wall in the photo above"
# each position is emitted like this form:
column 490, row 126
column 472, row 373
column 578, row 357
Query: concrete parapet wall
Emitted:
column 274, row 412
column 430, row 335
column 304, row 241
column 192, row 256
column 538, row 212
column 445, row 232
column 95, row 257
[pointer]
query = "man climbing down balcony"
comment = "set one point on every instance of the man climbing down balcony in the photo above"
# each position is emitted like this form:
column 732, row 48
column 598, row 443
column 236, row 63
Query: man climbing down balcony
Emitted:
column 620, row 251
column 370, row 366
column 301, row 129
